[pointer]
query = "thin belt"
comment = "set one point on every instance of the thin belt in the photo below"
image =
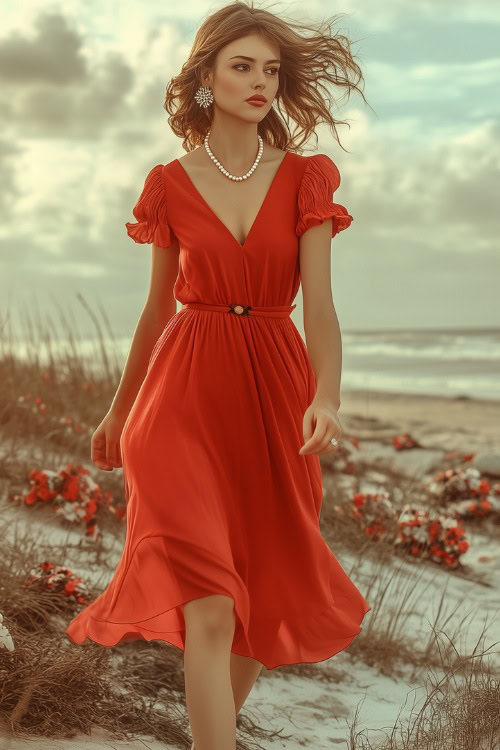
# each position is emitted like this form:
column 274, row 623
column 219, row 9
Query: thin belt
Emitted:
column 276, row 311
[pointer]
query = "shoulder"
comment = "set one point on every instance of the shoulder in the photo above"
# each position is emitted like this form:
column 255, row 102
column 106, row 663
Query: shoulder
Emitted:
column 320, row 179
column 153, row 182
column 153, row 191
column 150, row 211
column 274, row 155
column 191, row 158
column 152, row 196
column 155, row 173
column 321, row 169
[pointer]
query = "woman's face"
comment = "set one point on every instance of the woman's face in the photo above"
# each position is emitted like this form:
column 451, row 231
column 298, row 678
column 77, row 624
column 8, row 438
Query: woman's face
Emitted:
column 237, row 78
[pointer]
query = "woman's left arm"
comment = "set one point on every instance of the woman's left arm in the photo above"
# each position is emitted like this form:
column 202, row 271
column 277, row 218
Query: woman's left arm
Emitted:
column 323, row 340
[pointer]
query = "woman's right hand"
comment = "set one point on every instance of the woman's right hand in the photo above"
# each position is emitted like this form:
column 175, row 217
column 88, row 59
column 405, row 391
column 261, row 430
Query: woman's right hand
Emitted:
column 105, row 443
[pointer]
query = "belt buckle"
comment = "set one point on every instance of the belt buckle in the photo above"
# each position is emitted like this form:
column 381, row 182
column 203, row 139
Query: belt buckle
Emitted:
column 239, row 309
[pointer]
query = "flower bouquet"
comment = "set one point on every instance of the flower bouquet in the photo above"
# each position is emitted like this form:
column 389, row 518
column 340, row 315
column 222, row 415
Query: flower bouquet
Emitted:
column 50, row 577
column 73, row 495
column 469, row 495
column 429, row 534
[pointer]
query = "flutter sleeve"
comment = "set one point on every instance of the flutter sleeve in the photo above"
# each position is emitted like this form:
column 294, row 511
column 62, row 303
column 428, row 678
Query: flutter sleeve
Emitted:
column 151, row 212
column 320, row 179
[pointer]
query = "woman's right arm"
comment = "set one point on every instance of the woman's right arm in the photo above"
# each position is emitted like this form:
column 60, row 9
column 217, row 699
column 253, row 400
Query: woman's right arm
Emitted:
column 160, row 306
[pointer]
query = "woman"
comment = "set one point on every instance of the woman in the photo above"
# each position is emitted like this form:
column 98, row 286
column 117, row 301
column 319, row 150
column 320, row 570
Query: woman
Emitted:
column 222, row 413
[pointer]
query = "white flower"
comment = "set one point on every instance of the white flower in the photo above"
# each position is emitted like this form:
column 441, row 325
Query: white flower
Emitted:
column 472, row 472
column 5, row 637
column 420, row 535
column 71, row 511
column 434, row 488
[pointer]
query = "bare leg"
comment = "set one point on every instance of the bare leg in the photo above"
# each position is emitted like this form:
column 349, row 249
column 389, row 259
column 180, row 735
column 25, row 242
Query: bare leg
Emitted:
column 244, row 673
column 210, row 623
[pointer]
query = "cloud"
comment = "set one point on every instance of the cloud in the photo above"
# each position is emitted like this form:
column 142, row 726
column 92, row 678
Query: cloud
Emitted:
column 50, row 89
column 53, row 55
column 439, row 187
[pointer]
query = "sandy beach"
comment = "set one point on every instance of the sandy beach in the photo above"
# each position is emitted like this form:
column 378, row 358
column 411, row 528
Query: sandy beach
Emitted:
column 456, row 423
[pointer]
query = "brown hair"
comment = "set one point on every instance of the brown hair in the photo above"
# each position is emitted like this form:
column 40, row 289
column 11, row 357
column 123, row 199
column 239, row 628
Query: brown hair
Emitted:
column 307, row 63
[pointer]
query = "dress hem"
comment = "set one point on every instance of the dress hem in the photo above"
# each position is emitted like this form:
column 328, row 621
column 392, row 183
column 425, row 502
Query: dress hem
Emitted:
column 143, row 633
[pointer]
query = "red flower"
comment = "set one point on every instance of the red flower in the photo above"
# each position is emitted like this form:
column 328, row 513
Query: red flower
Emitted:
column 434, row 528
column 359, row 499
column 404, row 441
column 70, row 586
column 468, row 457
column 484, row 487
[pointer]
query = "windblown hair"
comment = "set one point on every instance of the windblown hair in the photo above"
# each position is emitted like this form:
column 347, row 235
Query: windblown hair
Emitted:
column 308, row 63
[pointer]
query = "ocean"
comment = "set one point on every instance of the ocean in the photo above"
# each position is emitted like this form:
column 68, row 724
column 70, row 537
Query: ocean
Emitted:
column 445, row 362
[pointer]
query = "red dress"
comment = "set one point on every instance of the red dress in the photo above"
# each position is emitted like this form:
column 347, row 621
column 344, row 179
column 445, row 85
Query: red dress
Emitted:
column 219, row 500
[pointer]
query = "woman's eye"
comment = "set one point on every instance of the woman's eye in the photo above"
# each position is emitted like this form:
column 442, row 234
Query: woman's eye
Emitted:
column 244, row 65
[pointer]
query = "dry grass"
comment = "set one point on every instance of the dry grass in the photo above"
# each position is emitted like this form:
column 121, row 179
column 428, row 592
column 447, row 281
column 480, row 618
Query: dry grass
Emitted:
column 71, row 377
column 50, row 688
column 395, row 588
column 461, row 709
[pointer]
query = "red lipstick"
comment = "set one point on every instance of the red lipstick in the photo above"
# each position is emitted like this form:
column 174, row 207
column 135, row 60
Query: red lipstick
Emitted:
column 257, row 100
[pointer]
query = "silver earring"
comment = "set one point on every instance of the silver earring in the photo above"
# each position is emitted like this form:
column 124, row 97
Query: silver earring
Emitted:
column 204, row 96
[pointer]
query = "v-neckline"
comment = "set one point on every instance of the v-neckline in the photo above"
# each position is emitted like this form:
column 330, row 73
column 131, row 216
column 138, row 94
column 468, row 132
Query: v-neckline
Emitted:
column 259, row 212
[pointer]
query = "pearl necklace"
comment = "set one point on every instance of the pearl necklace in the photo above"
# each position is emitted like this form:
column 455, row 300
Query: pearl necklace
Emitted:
column 224, row 171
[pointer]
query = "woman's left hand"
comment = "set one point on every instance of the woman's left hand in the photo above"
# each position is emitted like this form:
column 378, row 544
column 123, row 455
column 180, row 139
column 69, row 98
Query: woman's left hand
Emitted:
column 321, row 423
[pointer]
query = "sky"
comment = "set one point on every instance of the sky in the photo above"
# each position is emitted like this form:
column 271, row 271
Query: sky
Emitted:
column 82, row 122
